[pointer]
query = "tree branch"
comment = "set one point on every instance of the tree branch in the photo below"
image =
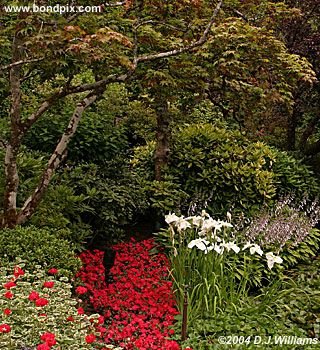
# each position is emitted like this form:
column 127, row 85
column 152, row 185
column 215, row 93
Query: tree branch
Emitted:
column 197, row 43
column 58, row 155
column 20, row 63
column 69, row 90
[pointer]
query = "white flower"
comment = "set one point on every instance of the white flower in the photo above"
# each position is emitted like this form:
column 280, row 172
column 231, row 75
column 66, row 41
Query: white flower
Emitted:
column 228, row 216
column 217, row 248
column 196, row 220
column 171, row 218
column 272, row 259
column 254, row 248
column 231, row 245
column 204, row 213
column 182, row 224
column 200, row 243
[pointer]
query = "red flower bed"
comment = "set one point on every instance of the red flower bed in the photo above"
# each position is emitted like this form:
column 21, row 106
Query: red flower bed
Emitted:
column 139, row 304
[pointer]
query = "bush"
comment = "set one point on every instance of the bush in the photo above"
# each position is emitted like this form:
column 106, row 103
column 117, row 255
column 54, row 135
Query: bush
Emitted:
column 38, row 309
column 38, row 247
column 222, row 170
column 113, row 196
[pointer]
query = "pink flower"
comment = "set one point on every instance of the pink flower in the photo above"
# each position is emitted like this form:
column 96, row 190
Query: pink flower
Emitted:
column 81, row 290
column 53, row 271
column 90, row 338
column 9, row 285
column 5, row 328
column 7, row 312
column 18, row 271
column 49, row 338
column 8, row 295
column 41, row 302
column 33, row 296
column 48, row 284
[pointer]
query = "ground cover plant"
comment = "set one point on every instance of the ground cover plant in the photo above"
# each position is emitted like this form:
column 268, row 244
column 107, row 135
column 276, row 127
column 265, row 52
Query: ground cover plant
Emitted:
column 39, row 312
column 139, row 304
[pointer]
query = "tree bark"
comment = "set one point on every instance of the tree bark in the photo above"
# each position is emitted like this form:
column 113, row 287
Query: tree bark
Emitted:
column 12, row 148
column 162, row 136
column 291, row 128
column 58, row 155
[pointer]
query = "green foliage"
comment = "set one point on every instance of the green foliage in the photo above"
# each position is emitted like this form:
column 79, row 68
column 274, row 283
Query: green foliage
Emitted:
column 96, row 131
column 294, row 176
column 289, row 309
column 113, row 196
column 221, row 168
column 212, row 265
column 166, row 195
column 39, row 247
column 27, row 326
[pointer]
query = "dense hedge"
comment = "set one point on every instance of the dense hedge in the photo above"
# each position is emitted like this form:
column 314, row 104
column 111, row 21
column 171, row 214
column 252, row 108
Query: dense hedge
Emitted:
column 223, row 170
column 38, row 247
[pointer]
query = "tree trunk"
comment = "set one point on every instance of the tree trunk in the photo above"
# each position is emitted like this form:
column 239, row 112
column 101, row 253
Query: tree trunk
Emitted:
column 291, row 129
column 12, row 149
column 58, row 155
column 162, row 147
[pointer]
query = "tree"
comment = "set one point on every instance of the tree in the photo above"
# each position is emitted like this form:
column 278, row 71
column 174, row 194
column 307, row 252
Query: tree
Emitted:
column 44, row 53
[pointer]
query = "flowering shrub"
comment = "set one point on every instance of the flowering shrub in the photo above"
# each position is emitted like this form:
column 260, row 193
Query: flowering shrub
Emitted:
column 38, row 311
column 139, row 303
column 210, row 263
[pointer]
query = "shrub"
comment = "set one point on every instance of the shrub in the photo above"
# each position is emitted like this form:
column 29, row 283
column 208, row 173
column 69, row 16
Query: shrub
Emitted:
column 113, row 196
column 221, row 169
column 294, row 176
column 289, row 227
column 38, row 247
column 39, row 309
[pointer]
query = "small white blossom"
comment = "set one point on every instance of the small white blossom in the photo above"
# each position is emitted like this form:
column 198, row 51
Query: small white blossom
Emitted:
column 272, row 259
column 254, row 248
column 217, row 248
column 231, row 245
column 171, row 218
column 200, row 243
column 182, row 224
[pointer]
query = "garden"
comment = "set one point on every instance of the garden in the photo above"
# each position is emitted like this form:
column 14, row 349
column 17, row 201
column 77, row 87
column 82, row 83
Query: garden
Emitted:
column 159, row 175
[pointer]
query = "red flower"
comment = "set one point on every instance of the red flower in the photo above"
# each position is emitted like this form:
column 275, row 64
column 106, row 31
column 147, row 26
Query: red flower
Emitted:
column 81, row 290
column 100, row 319
column 33, row 296
column 48, row 284
column 70, row 318
column 53, row 271
column 41, row 302
column 49, row 338
column 8, row 295
column 7, row 312
column 171, row 331
column 90, row 338
column 9, row 285
column 43, row 347
column 18, row 271
column 80, row 311
column 42, row 315
column 5, row 328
